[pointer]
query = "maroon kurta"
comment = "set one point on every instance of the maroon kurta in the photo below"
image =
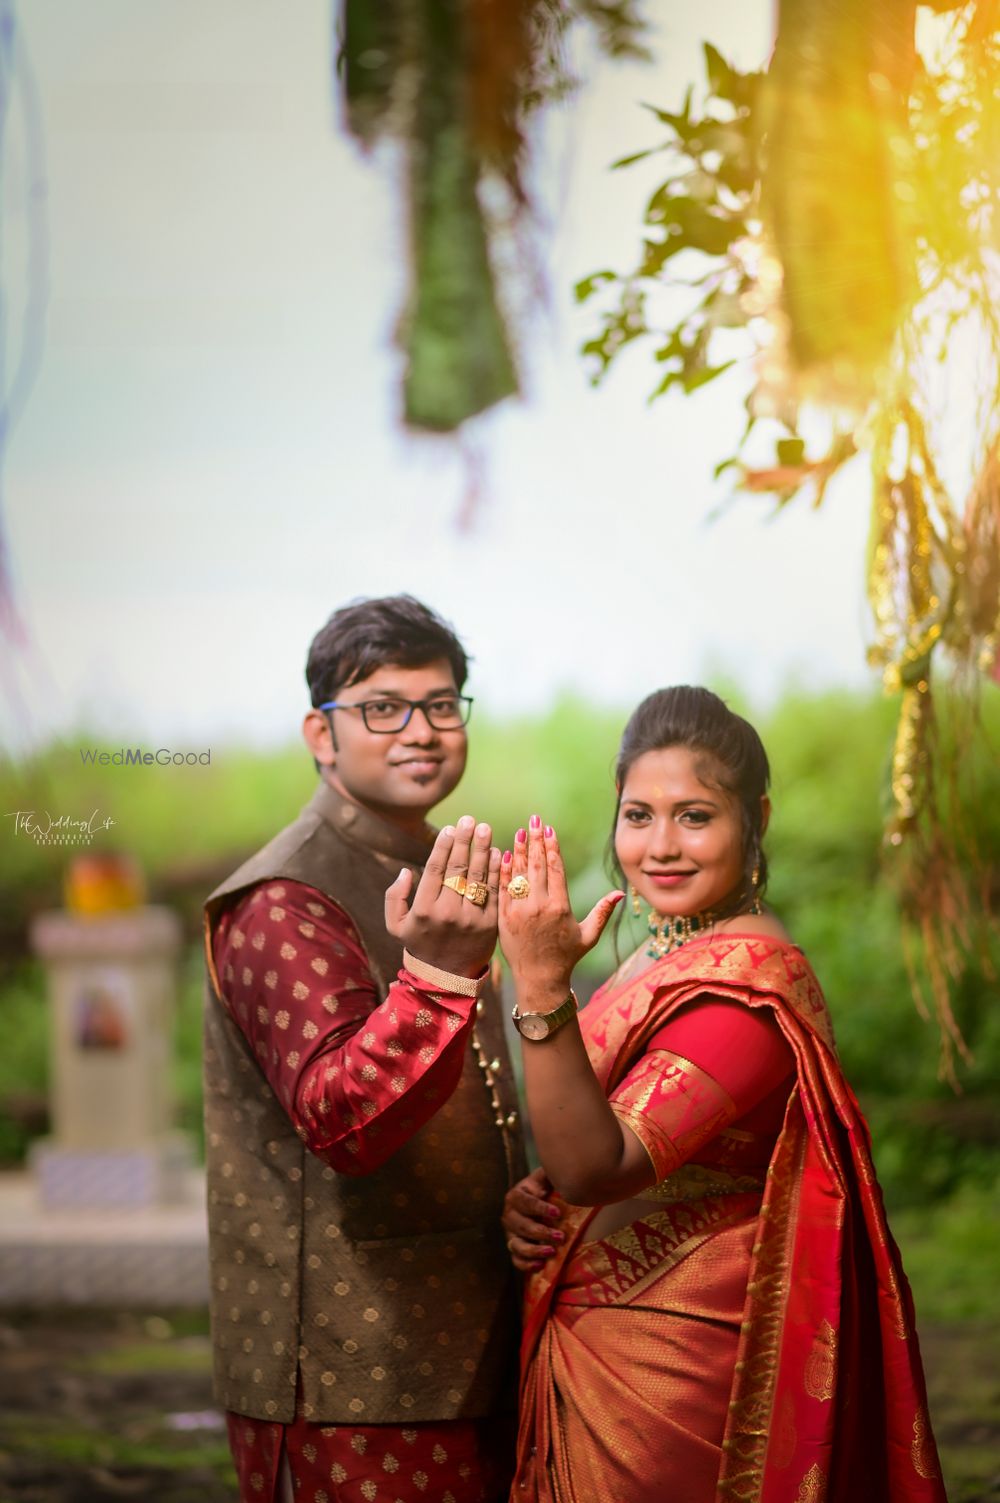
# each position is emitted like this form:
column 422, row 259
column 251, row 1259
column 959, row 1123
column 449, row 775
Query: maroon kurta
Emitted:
column 311, row 1012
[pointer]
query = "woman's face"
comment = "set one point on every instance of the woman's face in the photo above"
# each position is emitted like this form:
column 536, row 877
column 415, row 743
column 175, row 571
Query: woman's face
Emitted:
column 679, row 839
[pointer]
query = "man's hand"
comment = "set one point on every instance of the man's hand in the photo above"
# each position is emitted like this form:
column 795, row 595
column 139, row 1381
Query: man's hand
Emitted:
column 531, row 1222
column 440, row 926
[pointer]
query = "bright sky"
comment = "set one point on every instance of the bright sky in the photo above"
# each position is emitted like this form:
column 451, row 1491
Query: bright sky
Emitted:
column 211, row 459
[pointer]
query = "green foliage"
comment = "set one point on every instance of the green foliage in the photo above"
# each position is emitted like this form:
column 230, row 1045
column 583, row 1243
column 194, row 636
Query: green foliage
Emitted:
column 948, row 1248
column 862, row 171
column 24, row 1061
column 705, row 206
column 182, row 823
column 827, row 880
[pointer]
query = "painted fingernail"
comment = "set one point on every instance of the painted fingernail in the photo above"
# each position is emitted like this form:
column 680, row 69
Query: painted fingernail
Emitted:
column 521, row 837
column 549, row 832
column 559, row 1236
column 546, row 1252
column 534, row 822
column 553, row 1211
column 506, row 858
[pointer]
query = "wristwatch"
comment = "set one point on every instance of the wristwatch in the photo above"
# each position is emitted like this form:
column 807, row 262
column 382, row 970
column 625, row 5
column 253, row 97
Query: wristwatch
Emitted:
column 539, row 1026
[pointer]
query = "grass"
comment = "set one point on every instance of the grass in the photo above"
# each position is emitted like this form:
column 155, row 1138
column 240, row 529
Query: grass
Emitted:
column 951, row 1252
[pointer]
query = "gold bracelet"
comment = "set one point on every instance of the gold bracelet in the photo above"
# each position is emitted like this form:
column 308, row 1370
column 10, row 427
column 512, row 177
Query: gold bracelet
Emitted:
column 446, row 981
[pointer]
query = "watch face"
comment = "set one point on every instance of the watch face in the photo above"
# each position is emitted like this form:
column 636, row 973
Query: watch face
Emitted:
column 534, row 1025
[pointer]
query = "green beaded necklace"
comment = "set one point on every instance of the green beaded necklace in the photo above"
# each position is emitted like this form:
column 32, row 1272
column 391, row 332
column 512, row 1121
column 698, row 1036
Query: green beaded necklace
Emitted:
column 670, row 933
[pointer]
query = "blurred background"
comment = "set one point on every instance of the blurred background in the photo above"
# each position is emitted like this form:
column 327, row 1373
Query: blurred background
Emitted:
column 210, row 444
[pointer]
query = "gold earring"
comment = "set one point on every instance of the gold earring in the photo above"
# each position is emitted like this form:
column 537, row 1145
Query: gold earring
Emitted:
column 636, row 902
column 754, row 884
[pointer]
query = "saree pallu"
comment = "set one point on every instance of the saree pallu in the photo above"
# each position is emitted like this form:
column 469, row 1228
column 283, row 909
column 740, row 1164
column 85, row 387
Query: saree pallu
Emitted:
column 753, row 1347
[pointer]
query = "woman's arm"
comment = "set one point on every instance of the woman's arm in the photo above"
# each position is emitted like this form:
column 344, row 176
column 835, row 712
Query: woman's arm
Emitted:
column 588, row 1156
column 673, row 1103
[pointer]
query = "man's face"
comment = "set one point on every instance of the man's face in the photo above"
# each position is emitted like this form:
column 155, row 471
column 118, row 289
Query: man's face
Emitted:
column 400, row 775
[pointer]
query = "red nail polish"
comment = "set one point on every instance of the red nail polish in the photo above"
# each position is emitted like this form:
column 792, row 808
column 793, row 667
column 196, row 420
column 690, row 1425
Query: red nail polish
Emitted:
column 521, row 836
column 549, row 831
column 506, row 858
column 534, row 822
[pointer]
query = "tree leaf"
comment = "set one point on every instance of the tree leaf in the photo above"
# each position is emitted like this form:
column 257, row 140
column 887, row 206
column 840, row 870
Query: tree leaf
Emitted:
column 637, row 156
column 721, row 77
column 705, row 374
column 681, row 123
column 791, row 451
column 587, row 286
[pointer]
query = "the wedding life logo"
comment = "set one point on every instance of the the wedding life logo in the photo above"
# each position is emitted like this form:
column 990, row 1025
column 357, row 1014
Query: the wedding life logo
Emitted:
column 58, row 829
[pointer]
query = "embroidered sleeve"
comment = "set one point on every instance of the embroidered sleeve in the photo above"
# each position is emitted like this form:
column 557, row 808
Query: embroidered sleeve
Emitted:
column 356, row 1076
column 706, row 1068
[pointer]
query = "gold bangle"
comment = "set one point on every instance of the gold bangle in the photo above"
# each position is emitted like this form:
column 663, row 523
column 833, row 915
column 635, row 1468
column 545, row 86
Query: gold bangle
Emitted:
column 446, row 981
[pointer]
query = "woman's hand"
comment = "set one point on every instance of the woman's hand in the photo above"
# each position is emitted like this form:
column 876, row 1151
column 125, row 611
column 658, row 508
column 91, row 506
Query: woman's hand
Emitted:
column 531, row 1222
column 540, row 935
column 441, row 926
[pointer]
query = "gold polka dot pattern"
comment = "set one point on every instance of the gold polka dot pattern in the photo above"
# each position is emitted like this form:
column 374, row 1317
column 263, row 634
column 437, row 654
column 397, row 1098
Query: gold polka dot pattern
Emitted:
column 458, row 1461
column 363, row 1357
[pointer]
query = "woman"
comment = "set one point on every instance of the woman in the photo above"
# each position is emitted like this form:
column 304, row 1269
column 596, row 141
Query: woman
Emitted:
column 725, row 1316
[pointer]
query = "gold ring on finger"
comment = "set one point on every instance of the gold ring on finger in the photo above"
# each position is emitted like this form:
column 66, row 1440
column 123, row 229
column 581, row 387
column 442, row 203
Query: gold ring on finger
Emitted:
column 519, row 887
column 458, row 882
column 477, row 892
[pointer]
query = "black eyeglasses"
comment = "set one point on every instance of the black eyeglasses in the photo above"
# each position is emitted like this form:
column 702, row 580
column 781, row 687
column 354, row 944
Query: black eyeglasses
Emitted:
column 443, row 712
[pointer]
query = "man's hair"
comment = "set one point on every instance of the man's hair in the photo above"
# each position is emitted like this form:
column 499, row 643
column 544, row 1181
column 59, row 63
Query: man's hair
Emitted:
column 369, row 634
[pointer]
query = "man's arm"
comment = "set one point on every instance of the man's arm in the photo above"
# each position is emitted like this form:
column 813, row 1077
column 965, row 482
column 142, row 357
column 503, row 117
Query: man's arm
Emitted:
column 356, row 1077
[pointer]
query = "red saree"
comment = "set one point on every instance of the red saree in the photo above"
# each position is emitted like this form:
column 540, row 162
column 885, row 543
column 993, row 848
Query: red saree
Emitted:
column 754, row 1339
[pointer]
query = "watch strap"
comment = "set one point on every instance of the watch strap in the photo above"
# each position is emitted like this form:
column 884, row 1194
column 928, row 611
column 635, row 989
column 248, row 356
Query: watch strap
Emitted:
column 555, row 1019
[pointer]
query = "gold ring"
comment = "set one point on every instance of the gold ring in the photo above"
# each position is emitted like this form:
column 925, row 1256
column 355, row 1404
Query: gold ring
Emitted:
column 477, row 892
column 519, row 887
column 457, row 883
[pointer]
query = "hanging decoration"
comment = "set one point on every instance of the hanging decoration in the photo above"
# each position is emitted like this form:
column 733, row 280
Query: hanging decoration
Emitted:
column 453, row 81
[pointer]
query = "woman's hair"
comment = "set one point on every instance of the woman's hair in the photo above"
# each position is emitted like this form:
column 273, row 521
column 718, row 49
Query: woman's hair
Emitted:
column 733, row 758
column 370, row 634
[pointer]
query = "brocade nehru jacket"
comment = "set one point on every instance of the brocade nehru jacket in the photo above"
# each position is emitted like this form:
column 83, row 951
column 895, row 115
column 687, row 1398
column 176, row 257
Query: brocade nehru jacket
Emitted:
column 384, row 1299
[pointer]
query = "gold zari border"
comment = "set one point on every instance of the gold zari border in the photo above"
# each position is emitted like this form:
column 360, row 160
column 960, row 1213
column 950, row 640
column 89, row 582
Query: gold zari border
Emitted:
column 751, row 1407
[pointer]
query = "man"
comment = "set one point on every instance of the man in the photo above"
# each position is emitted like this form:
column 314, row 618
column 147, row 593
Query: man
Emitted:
column 360, row 1112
